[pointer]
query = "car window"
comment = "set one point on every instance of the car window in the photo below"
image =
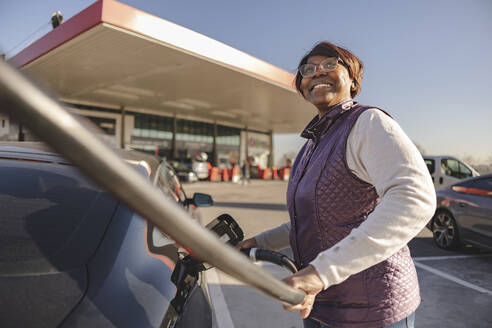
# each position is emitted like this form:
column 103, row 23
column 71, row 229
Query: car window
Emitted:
column 465, row 172
column 431, row 166
column 169, row 183
column 451, row 167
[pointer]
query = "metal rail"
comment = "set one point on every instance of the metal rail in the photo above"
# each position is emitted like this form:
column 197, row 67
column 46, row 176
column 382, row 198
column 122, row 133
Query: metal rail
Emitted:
column 53, row 124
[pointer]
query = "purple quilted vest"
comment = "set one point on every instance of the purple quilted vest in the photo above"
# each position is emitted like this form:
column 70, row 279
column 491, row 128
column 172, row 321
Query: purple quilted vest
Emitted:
column 326, row 201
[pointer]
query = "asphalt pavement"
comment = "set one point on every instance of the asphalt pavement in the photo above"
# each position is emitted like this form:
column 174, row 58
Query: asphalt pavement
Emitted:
column 456, row 287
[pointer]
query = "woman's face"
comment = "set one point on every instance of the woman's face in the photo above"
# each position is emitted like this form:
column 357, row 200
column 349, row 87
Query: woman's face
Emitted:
column 325, row 89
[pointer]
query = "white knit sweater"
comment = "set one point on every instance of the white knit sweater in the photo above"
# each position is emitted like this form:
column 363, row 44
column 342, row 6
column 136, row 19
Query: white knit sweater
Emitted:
column 380, row 153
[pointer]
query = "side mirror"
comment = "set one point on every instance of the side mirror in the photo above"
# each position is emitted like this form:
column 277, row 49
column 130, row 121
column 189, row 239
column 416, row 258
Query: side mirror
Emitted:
column 200, row 200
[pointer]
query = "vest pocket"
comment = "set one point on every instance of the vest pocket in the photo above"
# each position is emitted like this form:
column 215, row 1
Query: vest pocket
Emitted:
column 351, row 292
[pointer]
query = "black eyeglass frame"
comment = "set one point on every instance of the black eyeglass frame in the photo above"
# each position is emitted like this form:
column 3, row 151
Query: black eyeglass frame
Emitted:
column 339, row 61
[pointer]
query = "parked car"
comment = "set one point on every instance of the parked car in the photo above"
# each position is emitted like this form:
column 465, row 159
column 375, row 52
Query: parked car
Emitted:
column 184, row 172
column 464, row 213
column 447, row 169
column 200, row 165
column 73, row 256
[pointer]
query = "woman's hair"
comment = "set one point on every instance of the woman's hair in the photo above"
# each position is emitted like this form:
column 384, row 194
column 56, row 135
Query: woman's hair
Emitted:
column 352, row 63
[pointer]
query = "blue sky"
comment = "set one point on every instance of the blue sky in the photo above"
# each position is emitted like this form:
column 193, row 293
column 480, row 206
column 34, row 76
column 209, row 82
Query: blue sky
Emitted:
column 428, row 63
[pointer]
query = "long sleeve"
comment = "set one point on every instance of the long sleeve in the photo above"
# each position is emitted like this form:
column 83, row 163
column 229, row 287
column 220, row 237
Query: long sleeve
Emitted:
column 380, row 153
column 274, row 239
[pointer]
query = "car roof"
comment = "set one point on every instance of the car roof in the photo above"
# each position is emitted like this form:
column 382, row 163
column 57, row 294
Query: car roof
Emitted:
column 38, row 151
column 439, row 156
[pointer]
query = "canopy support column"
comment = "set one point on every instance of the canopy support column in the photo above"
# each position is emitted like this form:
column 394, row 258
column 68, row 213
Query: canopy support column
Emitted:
column 174, row 148
column 122, row 136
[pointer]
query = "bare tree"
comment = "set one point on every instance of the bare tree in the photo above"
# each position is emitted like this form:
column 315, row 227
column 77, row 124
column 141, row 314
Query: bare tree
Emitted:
column 489, row 159
column 469, row 159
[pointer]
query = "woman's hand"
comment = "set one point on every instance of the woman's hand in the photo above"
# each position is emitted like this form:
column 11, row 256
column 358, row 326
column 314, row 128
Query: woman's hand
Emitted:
column 309, row 281
column 248, row 243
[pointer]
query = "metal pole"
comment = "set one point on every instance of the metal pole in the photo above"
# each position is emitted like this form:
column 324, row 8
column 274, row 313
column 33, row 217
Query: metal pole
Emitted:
column 215, row 156
column 247, row 144
column 51, row 122
column 174, row 143
column 122, row 137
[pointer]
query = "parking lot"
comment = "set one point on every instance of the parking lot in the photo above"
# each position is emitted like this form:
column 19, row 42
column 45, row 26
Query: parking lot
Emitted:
column 456, row 287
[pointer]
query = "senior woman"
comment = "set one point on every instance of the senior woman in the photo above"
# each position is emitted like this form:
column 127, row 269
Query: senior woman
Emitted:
column 359, row 191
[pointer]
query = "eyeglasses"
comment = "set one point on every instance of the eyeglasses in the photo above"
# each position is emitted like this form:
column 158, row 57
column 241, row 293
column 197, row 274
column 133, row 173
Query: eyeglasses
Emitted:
column 327, row 65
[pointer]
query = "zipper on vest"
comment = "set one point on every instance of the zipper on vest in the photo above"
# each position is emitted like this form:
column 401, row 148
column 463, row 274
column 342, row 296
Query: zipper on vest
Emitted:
column 306, row 163
column 314, row 135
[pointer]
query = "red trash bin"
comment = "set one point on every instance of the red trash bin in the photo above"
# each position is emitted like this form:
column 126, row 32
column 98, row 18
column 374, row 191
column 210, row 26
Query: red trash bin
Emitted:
column 266, row 174
column 286, row 174
column 274, row 173
column 214, row 174
column 225, row 174
column 235, row 174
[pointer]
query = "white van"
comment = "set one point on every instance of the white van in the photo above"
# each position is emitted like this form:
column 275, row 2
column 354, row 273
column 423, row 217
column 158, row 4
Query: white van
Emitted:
column 447, row 169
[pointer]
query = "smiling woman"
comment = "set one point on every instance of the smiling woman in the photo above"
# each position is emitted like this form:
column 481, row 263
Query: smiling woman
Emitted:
column 328, row 89
column 359, row 191
column 341, row 81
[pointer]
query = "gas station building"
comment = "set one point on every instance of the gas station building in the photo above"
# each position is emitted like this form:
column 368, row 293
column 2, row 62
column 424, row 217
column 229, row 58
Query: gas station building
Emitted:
column 155, row 86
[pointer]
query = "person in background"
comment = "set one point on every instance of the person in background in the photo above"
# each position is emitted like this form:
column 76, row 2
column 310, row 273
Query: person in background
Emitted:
column 444, row 168
column 245, row 173
column 359, row 191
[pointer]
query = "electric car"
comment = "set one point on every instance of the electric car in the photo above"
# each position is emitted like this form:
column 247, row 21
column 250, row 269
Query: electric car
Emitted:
column 73, row 256
column 464, row 213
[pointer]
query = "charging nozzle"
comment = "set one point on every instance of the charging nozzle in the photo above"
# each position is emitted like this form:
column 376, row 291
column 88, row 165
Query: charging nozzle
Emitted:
column 258, row 254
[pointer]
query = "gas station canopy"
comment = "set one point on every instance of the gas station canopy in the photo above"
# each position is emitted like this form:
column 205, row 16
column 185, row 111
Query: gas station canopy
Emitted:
column 112, row 55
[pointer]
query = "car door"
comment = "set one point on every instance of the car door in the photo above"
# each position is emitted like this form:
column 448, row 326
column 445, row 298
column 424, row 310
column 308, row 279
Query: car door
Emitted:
column 476, row 209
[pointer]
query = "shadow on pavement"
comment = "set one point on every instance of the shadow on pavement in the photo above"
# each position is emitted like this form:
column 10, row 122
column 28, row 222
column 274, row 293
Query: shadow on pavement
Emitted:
column 425, row 246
